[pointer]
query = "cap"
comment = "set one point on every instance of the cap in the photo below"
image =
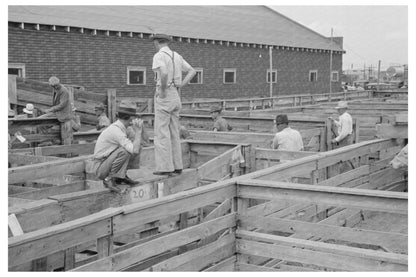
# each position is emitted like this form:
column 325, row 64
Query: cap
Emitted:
column 342, row 105
column 281, row 119
column 215, row 108
column 53, row 81
column 160, row 37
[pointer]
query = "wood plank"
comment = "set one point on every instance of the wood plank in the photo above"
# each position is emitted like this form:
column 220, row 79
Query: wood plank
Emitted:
column 151, row 210
column 160, row 245
column 337, row 196
column 44, row 242
column 197, row 259
column 220, row 210
column 393, row 241
column 326, row 247
column 219, row 166
column 37, row 171
column 319, row 258
column 273, row 154
column 225, row 265
column 51, row 191
column 340, row 179
column 14, row 201
column 20, row 159
column 14, row 226
column 252, row 267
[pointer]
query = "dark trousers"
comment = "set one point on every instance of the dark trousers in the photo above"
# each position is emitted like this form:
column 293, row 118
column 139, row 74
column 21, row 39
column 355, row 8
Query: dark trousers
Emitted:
column 114, row 165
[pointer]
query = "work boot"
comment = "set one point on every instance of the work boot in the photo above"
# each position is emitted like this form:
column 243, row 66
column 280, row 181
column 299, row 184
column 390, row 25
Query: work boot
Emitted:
column 165, row 173
column 177, row 171
column 126, row 181
column 109, row 183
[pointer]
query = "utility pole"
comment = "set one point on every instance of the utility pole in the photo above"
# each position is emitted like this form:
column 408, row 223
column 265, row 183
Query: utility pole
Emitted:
column 378, row 75
column 330, row 69
column 271, row 70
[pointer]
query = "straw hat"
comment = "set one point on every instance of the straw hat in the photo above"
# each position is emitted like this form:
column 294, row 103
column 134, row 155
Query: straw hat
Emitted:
column 342, row 105
column 29, row 108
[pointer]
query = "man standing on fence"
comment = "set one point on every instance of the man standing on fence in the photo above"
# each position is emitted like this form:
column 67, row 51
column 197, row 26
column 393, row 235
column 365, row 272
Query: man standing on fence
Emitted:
column 62, row 109
column 286, row 138
column 113, row 150
column 343, row 127
column 168, row 66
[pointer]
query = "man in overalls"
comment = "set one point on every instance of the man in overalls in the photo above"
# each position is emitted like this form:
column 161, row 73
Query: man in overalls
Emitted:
column 168, row 66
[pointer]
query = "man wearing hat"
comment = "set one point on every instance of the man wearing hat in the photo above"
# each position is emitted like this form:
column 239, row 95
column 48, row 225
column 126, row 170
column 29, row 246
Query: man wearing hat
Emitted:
column 61, row 108
column 113, row 150
column 344, row 129
column 103, row 120
column 286, row 138
column 168, row 66
column 220, row 124
column 29, row 109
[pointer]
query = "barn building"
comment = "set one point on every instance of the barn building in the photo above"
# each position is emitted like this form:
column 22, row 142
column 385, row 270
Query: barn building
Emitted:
column 231, row 47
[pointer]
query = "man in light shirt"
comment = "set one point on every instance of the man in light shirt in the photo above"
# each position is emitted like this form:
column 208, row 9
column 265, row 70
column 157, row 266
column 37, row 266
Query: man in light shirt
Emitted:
column 113, row 150
column 286, row 138
column 168, row 66
column 344, row 126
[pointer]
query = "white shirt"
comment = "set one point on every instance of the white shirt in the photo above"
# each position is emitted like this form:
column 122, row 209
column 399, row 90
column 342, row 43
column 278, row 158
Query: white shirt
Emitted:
column 288, row 139
column 344, row 126
column 164, row 58
column 110, row 139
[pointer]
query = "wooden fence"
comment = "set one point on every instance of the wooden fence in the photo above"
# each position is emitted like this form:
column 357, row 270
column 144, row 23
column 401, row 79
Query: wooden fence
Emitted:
column 246, row 234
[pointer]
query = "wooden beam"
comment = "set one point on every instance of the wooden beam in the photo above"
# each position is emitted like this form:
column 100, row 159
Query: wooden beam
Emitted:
column 50, row 191
column 393, row 241
column 318, row 258
column 111, row 104
column 53, row 168
column 159, row 245
column 394, row 202
column 325, row 247
column 14, row 225
column 392, row 131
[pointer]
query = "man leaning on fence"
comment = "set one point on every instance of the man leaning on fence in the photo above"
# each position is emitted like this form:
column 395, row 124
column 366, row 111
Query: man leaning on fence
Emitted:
column 62, row 109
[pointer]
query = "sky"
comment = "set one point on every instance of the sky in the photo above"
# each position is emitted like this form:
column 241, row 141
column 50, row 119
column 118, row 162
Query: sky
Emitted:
column 371, row 33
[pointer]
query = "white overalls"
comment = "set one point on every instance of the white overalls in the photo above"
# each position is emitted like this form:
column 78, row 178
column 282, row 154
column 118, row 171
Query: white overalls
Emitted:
column 168, row 153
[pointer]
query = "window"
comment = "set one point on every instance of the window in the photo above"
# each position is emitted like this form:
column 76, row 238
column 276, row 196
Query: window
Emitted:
column 229, row 76
column 334, row 76
column 313, row 75
column 136, row 75
column 17, row 69
column 198, row 78
column 274, row 75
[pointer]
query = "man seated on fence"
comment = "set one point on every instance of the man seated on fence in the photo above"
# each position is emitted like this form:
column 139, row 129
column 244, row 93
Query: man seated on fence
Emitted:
column 61, row 108
column 113, row 150
column 286, row 138
column 220, row 124
column 343, row 127
column 103, row 120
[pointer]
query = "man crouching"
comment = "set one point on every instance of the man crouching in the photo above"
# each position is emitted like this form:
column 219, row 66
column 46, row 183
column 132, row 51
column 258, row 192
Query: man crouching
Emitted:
column 113, row 150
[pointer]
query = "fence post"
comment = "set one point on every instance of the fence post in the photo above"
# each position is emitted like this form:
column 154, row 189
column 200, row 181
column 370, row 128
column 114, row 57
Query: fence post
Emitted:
column 111, row 104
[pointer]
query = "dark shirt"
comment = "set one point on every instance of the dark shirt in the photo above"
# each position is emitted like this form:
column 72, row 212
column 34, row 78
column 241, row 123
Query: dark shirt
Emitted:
column 61, row 105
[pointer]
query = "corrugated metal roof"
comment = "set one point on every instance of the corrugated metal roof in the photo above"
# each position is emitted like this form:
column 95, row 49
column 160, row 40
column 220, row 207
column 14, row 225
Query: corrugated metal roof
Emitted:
column 245, row 24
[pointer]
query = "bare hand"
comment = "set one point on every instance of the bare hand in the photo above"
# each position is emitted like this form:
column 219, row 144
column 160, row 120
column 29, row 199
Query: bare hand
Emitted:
column 334, row 141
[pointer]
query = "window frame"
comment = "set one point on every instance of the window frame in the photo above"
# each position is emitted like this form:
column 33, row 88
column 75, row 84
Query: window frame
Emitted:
column 316, row 75
column 332, row 75
column 136, row 68
column 201, row 70
column 21, row 66
column 267, row 76
column 226, row 70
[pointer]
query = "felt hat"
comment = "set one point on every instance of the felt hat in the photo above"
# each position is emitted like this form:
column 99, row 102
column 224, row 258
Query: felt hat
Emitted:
column 53, row 81
column 126, row 111
column 342, row 105
column 215, row 108
column 281, row 119
column 29, row 108
column 161, row 37
column 100, row 106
